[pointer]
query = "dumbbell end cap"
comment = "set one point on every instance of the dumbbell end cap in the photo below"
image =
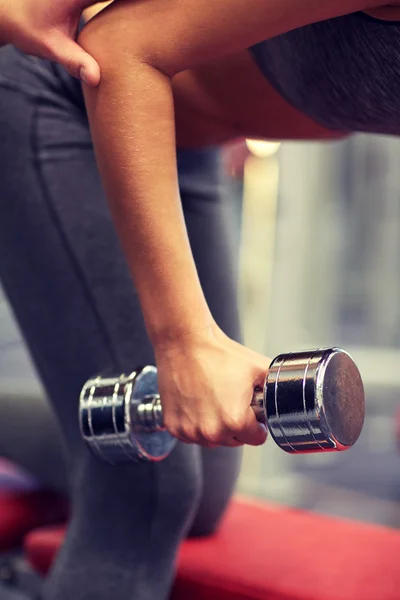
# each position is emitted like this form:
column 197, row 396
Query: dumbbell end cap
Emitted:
column 315, row 401
column 340, row 398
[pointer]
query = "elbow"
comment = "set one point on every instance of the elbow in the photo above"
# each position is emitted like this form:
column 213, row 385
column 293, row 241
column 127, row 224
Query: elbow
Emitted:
column 114, row 44
column 100, row 41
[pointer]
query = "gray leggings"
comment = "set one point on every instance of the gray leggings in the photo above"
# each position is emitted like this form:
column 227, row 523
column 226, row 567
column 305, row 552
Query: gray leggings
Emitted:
column 68, row 284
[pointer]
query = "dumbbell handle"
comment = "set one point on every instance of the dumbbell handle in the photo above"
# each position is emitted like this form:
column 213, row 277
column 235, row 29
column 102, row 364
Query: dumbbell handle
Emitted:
column 149, row 413
column 258, row 405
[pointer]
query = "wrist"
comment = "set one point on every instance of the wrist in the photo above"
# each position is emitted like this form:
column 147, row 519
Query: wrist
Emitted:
column 174, row 306
column 175, row 339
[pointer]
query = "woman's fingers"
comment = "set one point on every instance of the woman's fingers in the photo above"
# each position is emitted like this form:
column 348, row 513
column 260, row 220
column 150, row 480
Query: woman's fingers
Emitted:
column 246, row 430
column 207, row 439
column 252, row 432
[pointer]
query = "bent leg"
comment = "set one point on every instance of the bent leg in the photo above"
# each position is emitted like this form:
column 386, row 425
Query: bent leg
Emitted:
column 69, row 286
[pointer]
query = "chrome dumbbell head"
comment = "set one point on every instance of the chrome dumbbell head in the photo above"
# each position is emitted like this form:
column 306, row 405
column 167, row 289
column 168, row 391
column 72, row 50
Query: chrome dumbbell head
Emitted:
column 121, row 418
column 314, row 401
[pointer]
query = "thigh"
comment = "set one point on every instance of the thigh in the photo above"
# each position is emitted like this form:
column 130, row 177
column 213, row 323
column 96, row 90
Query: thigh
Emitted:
column 65, row 275
column 60, row 259
column 220, row 469
column 60, row 262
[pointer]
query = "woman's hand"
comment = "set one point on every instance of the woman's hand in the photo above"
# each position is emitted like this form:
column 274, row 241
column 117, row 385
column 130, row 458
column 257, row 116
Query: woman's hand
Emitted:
column 206, row 383
column 48, row 29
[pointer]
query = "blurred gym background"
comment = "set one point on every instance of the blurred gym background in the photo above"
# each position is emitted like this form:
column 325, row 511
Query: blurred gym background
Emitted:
column 319, row 266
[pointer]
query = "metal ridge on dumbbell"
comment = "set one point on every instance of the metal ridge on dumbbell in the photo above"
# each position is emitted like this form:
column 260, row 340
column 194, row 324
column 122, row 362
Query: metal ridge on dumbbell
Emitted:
column 312, row 401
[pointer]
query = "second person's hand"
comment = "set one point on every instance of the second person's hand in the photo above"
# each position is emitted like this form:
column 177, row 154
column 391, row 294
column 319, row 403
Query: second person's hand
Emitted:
column 48, row 29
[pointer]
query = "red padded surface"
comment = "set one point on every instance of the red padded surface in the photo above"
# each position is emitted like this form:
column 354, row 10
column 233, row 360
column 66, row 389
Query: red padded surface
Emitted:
column 21, row 511
column 41, row 547
column 262, row 552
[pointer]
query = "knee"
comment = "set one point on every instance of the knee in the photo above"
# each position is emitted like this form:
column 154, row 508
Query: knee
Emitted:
column 158, row 499
column 208, row 517
column 220, row 471
column 180, row 489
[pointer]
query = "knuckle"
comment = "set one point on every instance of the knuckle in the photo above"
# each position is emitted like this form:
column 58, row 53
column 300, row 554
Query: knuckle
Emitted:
column 189, row 433
column 236, row 423
column 71, row 64
column 212, row 432
column 179, row 430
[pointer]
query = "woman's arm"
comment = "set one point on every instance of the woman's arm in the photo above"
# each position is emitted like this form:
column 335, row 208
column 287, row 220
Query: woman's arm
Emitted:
column 180, row 34
column 140, row 46
column 133, row 131
column 205, row 379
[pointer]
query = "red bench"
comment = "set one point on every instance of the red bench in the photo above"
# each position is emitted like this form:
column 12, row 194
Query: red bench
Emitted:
column 266, row 552
column 21, row 511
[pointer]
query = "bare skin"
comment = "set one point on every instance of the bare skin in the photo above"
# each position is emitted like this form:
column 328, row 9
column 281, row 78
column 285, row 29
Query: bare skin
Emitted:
column 229, row 98
column 179, row 72
column 48, row 29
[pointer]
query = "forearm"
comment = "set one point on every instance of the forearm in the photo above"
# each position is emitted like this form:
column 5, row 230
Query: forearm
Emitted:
column 132, row 123
column 140, row 46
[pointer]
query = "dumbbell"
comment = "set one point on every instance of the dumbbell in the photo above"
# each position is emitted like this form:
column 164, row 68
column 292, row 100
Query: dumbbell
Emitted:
column 311, row 401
